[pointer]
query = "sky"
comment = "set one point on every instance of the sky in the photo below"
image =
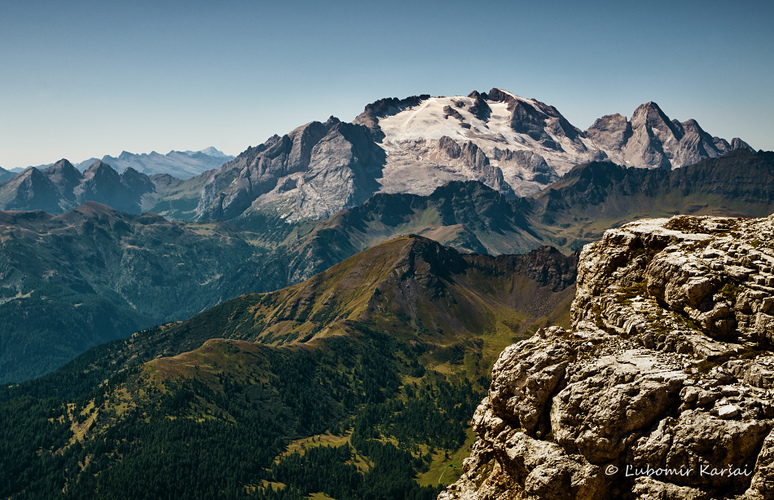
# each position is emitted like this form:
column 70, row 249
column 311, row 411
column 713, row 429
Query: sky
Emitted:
column 81, row 79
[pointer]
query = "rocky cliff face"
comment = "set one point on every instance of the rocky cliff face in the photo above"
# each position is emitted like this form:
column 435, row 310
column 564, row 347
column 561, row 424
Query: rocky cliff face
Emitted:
column 310, row 173
column 662, row 388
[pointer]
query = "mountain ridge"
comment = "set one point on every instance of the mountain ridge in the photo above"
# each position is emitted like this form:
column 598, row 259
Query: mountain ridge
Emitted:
column 468, row 216
column 414, row 145
column 180, row 164
column 357, row 357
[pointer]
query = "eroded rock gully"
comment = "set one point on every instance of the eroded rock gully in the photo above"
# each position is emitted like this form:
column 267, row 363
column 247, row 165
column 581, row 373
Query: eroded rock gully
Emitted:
column 661, row 390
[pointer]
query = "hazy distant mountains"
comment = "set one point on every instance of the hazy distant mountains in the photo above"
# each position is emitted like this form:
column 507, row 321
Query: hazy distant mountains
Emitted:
column 180, row 164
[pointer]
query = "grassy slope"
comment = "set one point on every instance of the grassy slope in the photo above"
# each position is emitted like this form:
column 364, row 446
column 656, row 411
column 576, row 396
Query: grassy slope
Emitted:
column 406, row 327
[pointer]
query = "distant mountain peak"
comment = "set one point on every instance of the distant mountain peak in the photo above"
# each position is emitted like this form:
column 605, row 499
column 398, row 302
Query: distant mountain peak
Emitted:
column 650, row 113
column 210, row 151
column 63, row 163
column 98, row 166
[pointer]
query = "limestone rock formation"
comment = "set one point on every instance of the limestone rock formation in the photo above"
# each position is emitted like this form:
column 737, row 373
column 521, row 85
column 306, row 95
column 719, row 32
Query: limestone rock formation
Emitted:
column 310, row 173
column 663, row 387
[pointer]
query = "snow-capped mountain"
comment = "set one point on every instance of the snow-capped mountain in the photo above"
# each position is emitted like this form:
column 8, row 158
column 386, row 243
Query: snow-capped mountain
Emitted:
column 523, row 142
column 414, row 145
column 514, row 145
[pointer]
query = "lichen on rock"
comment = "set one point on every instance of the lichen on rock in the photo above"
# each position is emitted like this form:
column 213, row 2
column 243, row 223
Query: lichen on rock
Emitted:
column 661, row 389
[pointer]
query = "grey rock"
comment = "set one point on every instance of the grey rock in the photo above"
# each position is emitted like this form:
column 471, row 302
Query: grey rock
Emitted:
column 333, row 165
column 611, row 132
column 613, row 408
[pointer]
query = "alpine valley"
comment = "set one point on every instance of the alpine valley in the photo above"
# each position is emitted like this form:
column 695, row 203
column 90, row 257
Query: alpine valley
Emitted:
column 319, row 316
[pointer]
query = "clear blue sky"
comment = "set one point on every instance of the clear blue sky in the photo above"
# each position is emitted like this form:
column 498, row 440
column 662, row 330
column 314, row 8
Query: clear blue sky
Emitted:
column 83, row 79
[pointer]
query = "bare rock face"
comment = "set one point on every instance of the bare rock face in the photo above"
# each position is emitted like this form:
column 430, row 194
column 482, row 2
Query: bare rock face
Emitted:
column 611, row 131
column 652, row 140
column 313, row 172
column 662, row 388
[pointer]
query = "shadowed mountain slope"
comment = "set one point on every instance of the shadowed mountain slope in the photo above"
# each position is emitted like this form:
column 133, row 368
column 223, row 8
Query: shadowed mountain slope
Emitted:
column 406, row 285
column 593, row 197
column 90, row 275
column 380, row 357
column 61, row 187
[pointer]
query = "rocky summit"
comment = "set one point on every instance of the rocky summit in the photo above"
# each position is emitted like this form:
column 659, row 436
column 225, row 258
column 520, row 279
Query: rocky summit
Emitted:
column 661, row 389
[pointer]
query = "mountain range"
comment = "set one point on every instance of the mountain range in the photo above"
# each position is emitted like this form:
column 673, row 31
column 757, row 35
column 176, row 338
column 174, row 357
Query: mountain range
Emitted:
column 61, row 187
column 514, row 145
column 414, row 145
column 146, row 270
column 180, row 164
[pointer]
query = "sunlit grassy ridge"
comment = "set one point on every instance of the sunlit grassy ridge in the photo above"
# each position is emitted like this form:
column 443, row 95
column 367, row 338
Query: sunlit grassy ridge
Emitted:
column 386, row 354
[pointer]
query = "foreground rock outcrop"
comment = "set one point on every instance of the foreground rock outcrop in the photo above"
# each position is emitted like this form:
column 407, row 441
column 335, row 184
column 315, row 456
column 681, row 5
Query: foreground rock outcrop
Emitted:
column 663, row 387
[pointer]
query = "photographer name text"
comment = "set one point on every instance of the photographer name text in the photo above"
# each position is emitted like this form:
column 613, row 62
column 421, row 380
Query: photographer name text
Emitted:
column 703, row 470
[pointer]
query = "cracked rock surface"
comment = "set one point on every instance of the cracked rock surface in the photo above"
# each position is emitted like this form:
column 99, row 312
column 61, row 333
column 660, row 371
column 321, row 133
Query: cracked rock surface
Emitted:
column 661, row 390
